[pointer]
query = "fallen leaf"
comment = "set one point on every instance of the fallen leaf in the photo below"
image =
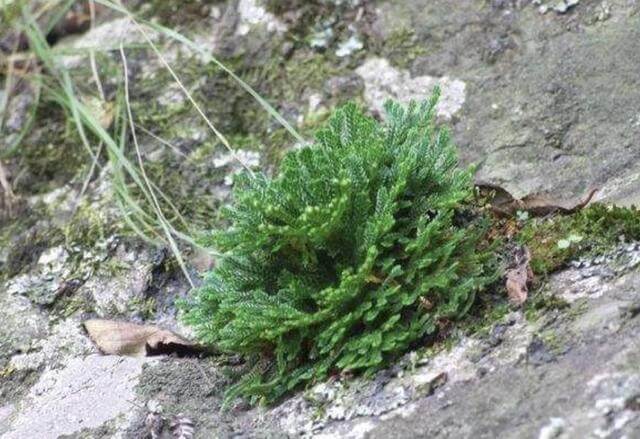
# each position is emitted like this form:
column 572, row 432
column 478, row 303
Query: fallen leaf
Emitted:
column 123, row 338
column 101, row 110
column 153, row 424
column 540, row 205
column 504, row 204
column 181, row 427
column 519, row 277
column 426, row 303
column 497, row 196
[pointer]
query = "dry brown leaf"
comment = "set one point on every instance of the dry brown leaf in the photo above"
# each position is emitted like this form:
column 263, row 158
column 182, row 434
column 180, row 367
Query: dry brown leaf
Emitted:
column 7, row 197
column 153, row 424
column 104, row 112
column 426, row 303
column 124, row 338
column 519, row 277
column 182, row 427
column 541, row 205
column 504, row 204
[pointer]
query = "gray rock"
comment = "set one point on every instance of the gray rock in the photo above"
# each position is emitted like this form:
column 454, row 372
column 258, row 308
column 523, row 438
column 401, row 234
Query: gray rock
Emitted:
column 383, row 81
column 109, row 34
column 22, row 324
column 119, row 286
column 43, row 285
column 65, row 341
column 87, row 393
column 589, row 385
column 545, row 114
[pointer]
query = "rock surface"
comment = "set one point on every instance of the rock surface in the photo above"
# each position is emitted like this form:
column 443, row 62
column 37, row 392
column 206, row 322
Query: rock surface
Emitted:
column 541, row 114
column 86, row 394
column 541, row 95
column 382, row 81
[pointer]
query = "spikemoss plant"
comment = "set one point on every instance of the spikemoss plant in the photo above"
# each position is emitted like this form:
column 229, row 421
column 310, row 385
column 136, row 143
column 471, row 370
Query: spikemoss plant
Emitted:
column 357, row 250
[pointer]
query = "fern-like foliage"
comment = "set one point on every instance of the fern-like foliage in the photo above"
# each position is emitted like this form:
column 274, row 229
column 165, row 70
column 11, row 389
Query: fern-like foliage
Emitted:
column 354, row 252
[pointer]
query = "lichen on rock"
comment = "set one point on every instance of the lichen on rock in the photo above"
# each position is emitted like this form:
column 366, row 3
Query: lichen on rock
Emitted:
column 383, row 81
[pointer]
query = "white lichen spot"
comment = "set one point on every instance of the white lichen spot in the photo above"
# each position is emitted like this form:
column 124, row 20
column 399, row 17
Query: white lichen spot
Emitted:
column 6, row 411
column 346, row 48
column 314, row 102
column 357, row 431
column 237, row 161
column 383, row 81
column 554, row 429
column 321, row 38
column 580, row 285
column 53, row 258
column 248, row 158
column 251, row 13
column 454, row 362
column 172, row 96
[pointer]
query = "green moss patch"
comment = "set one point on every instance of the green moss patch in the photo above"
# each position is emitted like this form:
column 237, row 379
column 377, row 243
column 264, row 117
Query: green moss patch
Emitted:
column 592, row 230
column 401, row 48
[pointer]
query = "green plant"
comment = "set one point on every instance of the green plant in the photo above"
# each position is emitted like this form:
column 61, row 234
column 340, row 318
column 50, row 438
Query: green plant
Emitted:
column 357, row 250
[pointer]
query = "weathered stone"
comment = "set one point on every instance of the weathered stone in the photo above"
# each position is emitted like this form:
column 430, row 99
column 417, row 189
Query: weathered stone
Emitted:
column 87, row 393
column 66, row 341
column 251, row 13
column 22, row 324
column 236, row 161
column 108, row 35
column 117, row 289
column 382, row 82
column 545, row 114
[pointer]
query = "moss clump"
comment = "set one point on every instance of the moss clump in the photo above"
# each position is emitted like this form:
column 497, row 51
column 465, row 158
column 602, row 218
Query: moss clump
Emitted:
column 50, row 155
column 554, row 241
column 307, row 12
column 401, row 48
column 87, row 226
column 181, row 13
column 486, row 312
column 26, row 240
column 543, row 303
column 358, row 249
